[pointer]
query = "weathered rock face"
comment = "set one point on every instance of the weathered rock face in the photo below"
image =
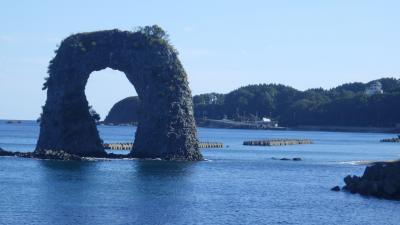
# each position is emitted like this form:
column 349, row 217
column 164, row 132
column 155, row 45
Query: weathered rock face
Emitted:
column 380, row 180
column 166, row 128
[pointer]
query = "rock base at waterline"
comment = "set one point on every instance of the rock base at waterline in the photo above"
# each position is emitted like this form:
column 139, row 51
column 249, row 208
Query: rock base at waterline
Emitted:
column 65, row 156
column 380, row 180
column 43, row 154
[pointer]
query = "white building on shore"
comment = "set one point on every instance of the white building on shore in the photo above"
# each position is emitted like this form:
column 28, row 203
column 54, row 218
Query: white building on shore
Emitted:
column 374, row 88
column 266, row 122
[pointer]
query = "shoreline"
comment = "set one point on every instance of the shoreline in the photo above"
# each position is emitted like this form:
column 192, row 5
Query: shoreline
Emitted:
column 351, row 129
column 387, row 130
column 247, row 126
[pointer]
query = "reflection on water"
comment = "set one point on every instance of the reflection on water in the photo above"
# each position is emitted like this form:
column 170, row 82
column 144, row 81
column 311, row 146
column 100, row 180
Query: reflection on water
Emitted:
column 165, row 184
column 64, row 166
column 86, row 192
column 64, row 189
column 163, row 169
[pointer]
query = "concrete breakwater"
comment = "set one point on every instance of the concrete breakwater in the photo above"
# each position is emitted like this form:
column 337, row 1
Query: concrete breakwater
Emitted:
column 277, row 142
column 118, row 146
column 129, row 145
column 211, row 145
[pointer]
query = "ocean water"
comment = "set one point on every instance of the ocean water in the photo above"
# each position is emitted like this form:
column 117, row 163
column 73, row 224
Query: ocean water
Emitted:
column 236, row 185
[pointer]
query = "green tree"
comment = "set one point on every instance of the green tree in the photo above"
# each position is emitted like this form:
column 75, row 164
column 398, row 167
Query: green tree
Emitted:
column 94, row 114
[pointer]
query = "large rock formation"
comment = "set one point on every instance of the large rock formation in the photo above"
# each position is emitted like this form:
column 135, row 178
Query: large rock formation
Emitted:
column 125, row 111
column 166, row 129
column 381, row 180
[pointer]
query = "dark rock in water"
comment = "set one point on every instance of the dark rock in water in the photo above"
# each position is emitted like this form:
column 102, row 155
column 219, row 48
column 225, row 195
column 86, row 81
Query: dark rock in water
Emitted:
column 287, row 159
column 166, row 129
column 51, row 154
column 56, row 155
column 43, row 154
column 336, row 188
column 380, row 180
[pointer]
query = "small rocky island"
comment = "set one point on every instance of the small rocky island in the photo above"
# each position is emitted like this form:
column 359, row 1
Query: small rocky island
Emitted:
column 382, row 179
column 167, row 130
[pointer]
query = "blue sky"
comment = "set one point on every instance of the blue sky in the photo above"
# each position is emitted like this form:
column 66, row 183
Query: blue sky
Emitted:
column 223, row 44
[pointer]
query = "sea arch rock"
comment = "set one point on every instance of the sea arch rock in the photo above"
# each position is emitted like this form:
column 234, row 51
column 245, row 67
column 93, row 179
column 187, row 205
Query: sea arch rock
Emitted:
column 166, row 127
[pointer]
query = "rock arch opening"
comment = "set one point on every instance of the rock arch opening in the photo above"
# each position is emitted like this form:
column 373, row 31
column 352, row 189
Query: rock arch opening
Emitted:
column 105, row 88
column 166, row 129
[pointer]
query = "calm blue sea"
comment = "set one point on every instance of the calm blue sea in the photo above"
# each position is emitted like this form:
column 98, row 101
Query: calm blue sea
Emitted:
column 237, row 185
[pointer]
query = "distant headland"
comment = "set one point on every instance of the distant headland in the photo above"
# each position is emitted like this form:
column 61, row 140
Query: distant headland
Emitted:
column 358, row 107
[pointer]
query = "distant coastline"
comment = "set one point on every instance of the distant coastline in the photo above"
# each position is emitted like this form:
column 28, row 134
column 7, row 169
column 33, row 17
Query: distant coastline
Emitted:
column 351, row 107
column 248, row 126
column 241, row 125
column 347, row 129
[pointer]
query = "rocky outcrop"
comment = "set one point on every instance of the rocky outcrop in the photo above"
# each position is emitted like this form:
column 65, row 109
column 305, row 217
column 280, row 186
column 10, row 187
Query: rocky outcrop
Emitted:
column 5, row 153
column 51, row 154
column 125, row 111
column 287, row 159
column 45, row 154
column 336, row 188
column 166, row 130
column 380, row 180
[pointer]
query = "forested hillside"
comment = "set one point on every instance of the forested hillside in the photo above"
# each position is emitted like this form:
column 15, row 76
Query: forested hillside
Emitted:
column 345, row 105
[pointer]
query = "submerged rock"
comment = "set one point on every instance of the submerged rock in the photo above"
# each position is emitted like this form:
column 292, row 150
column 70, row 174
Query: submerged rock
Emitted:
column 287, row 159
column 336, row 188
column 380, row 180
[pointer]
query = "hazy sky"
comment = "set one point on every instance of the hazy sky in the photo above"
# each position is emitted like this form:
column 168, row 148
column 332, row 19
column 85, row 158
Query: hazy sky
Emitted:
column 223, row 44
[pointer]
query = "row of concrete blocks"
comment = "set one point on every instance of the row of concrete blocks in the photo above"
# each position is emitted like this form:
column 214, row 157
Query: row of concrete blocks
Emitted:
column 277, row 142
column 128, row 146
